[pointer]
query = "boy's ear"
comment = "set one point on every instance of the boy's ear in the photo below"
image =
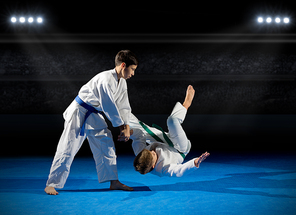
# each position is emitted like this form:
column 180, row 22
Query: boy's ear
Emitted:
column 123, row 65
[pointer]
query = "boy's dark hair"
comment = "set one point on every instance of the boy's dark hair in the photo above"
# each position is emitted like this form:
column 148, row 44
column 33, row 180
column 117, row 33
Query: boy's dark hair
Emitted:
column 127, row 57
column 143, row 162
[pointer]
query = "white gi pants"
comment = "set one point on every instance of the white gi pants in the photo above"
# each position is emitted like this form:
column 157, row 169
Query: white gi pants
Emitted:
column 102, row 147
column 176, row 132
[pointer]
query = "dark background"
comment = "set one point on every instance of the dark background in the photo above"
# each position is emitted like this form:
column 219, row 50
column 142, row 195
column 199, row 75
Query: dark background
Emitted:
column 89, row 17
column 243, row 73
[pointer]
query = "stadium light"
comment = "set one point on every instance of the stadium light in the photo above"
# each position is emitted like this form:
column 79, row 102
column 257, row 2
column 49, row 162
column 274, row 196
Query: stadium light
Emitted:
column 260, row 19
column 39, row 20
column 22, row 19
column 13, row 19
column 277, row 20
column 31, row 19
column 286, row 20
column 26, row 20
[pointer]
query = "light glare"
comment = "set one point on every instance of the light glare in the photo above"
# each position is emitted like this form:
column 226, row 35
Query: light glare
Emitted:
column 39, row 20
column 260, row 19
column 30, row 20
column 268, row 20
column 286, row 20
column 13, row 19
column 22, row 19
column 276, row 19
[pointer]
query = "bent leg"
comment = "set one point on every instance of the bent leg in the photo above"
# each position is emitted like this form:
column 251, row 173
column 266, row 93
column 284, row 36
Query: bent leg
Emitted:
column 176, row 132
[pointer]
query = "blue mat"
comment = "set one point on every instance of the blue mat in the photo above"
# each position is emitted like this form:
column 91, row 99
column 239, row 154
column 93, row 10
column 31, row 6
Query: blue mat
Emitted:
column 224, row 184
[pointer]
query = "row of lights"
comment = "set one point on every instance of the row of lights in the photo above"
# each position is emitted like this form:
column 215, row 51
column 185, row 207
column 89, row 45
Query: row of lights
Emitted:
column 23, row 19
column 278, row 20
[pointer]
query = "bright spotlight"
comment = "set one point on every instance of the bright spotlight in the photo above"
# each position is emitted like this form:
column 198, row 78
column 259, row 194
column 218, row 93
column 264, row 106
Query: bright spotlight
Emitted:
column 39, row 20
column 31, row 19
column 260, row 19
column 268, row 20
column 22, row 19
column 13, row 19
column 286, row 20
column 277, row 20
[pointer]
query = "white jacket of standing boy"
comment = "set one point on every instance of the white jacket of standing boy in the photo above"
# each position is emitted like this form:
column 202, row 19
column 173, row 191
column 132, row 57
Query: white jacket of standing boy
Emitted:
column 104, row 93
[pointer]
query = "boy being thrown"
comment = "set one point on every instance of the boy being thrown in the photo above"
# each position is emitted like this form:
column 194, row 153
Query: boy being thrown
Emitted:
column 166, row 152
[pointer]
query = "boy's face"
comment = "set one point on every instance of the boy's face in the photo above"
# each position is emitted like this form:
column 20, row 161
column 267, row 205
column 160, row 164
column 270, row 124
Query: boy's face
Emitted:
column 128, row 72
column 155, row 157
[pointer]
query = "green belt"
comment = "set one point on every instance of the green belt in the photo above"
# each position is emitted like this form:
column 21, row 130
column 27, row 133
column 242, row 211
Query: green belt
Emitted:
column 157, row 138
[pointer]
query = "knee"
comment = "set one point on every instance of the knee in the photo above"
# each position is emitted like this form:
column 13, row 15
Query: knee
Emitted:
column 171, row 120
column 188, row 146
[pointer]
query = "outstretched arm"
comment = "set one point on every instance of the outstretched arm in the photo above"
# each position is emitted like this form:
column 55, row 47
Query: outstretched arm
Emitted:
column 178, row 170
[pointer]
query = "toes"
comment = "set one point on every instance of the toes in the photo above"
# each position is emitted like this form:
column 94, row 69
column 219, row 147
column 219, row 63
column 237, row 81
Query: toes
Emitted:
column 128, row 188
column 51, row 191
column 120, row 186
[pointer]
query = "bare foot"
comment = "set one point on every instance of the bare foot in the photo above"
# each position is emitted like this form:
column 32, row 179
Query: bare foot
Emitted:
column 189, row 97
column 117, row 185
column 51, row 191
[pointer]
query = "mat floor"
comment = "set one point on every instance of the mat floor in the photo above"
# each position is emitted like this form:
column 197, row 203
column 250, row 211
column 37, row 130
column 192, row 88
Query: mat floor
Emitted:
column 226, row 183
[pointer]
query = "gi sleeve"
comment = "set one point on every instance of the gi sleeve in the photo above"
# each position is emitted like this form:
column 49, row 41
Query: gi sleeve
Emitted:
column 139, row 141
column 124, row 106
column 108, row 105
column 178, row 170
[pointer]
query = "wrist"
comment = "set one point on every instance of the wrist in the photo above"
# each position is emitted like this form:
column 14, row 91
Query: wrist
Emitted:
column 124, row 127
column 196, row 164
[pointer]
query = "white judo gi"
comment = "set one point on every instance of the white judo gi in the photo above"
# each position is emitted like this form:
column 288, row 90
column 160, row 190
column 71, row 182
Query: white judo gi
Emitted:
column 170, row 160
column 106, row 94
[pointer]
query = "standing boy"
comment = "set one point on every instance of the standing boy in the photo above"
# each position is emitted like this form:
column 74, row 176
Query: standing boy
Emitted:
column 105, row 93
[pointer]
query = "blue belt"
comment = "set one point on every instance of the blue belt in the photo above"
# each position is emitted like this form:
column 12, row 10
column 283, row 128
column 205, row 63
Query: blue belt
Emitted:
column 90, row 110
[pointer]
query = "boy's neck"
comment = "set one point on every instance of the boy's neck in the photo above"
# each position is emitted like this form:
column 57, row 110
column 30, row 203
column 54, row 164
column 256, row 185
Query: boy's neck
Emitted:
column 118, row 70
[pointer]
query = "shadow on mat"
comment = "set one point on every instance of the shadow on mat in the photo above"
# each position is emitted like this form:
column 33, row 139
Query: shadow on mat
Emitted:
column 136, row 189
column 240, row 183
column 271, row 183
